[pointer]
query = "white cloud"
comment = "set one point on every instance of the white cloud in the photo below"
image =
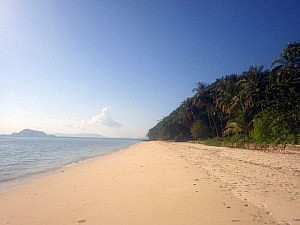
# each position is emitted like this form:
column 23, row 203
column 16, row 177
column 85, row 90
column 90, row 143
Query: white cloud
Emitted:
column 104, row 118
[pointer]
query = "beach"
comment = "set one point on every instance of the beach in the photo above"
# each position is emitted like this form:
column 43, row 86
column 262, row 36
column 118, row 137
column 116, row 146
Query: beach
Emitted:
column 162, row 183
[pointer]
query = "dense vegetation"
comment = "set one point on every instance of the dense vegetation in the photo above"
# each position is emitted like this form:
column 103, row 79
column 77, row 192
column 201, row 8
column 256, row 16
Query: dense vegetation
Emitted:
column 258, row 106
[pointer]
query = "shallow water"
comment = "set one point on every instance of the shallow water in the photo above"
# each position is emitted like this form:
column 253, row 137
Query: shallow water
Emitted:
column 22, row 158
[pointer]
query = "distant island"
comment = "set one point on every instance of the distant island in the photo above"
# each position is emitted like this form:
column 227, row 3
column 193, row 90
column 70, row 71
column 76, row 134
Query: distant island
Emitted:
column 30, row 133
column 35, row 133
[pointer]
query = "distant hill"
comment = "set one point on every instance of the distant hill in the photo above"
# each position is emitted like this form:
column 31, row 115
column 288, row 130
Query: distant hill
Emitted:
column 30, row 133
column 35, row 133
column 79, row 135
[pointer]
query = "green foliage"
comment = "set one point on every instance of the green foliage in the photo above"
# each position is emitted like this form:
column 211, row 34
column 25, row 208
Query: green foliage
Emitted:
column 176, row 126
column 287, row 66
column 236, row 141
column 277, row 125
column 233, row 127
column 200, row 130
column 257, row 105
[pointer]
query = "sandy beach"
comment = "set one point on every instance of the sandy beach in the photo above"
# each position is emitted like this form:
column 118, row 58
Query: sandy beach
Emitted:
column 163, row 183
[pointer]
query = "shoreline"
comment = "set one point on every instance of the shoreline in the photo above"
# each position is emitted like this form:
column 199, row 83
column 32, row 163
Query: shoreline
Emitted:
column 146, row 183
column 15, row 182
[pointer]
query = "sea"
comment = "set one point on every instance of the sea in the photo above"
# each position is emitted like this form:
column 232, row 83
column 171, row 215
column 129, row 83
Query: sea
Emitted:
column 24, row 158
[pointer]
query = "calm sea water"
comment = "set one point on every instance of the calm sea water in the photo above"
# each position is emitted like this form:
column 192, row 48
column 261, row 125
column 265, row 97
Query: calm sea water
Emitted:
column 22, row 158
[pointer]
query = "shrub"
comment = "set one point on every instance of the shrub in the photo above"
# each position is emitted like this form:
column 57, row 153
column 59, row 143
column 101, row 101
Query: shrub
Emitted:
column 200, row 130
column 273, row 128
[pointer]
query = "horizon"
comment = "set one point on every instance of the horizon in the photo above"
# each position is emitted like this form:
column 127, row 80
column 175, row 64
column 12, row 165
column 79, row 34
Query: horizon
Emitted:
column 116, row 68
column 72, row 135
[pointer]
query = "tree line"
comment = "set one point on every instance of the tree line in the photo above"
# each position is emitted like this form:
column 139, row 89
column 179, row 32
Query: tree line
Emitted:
column 258, row 105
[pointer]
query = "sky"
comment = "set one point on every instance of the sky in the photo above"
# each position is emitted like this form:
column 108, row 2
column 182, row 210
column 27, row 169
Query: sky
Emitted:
column 117, row 67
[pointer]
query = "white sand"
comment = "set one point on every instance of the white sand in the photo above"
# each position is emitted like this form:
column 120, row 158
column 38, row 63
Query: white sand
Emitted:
column 155, row 183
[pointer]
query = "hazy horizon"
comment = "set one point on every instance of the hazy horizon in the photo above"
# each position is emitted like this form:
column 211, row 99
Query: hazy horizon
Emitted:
column 115, row 68
column 55, row 133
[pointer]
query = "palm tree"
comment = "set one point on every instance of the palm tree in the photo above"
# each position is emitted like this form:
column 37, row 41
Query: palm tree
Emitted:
column 186, row 112
column 288, row 64
column 243, row 103
column 224, row 91
column 204, row 100
column 285, row 74
column 253, row 86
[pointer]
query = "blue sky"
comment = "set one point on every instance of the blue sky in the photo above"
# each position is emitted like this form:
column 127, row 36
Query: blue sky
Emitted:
column 116, row 67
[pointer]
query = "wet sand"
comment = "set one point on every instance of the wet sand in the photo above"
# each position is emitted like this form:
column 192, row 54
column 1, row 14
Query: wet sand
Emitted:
column 162, row 183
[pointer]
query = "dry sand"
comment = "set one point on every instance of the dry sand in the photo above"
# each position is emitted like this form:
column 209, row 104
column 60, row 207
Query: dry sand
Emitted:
column 162, row 183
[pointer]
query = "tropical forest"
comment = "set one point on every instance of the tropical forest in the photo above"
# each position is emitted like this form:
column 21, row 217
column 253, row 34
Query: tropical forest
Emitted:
column 256, row 106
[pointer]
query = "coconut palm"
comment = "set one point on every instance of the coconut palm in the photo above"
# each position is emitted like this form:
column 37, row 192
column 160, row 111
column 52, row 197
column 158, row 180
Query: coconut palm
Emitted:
column 224, row 91
column 285, row 74
column 287, row 65
column 204, row 100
